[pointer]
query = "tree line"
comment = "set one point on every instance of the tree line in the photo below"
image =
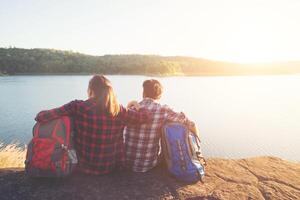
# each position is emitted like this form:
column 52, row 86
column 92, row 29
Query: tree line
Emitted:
column 50, row 61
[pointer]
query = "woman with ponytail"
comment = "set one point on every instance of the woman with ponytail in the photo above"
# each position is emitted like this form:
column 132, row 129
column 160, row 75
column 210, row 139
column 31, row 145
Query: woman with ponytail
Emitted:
column 99, row 122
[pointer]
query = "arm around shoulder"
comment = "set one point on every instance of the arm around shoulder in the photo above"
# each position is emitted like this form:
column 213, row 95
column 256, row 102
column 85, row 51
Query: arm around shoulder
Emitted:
column 133, row 116
column 48, row 115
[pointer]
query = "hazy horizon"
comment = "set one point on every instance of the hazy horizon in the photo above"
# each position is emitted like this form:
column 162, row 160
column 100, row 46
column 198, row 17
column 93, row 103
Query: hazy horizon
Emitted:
column 239, row 31
column 187, row 56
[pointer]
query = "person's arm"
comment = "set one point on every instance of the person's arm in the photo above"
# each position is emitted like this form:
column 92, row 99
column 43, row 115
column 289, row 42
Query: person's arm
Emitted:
column 133, row 116
column 194, row 129
column 181, row 118
column 48, row 115
column 134, row 105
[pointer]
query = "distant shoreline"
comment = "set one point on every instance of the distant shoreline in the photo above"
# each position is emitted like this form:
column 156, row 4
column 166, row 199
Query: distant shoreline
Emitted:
column 16, row 61
column 149, row 75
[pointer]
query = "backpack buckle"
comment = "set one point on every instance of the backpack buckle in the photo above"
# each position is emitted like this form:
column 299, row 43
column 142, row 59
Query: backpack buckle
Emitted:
column 64, row 147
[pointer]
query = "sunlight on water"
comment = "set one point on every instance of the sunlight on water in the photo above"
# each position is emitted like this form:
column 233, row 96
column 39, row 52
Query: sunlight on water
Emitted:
column 238, row 116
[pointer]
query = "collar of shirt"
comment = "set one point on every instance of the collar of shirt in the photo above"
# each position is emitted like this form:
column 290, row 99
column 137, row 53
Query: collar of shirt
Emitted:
column 149, row 100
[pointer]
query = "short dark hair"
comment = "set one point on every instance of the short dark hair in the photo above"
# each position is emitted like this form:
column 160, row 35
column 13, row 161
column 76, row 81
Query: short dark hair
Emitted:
column 152, row 89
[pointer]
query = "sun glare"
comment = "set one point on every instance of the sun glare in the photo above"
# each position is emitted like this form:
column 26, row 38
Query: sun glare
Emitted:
column 250, row 44
column 243, row 31
column 253, row 33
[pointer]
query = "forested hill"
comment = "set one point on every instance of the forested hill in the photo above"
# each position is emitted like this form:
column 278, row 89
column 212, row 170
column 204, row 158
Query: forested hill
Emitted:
column 49, row 61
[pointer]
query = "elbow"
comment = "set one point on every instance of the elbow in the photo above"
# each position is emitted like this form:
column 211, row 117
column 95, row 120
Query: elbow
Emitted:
column 39, row 116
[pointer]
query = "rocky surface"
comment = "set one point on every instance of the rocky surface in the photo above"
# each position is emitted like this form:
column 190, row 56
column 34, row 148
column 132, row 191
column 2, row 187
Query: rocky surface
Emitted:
column 253, row 178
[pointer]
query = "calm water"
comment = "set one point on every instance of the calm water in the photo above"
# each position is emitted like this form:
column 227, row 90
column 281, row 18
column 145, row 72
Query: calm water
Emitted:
column 237, row 116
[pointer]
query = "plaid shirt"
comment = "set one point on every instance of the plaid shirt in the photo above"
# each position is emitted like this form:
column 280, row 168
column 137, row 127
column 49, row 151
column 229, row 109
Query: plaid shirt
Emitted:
column 99, row 136
column 142, row 142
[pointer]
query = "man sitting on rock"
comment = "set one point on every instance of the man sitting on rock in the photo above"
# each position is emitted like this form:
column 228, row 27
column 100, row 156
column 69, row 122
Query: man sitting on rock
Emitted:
column 142, row 142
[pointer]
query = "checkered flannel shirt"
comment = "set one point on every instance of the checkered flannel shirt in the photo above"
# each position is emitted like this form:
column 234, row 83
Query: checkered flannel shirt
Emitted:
column 142, row 142
column 99, row 136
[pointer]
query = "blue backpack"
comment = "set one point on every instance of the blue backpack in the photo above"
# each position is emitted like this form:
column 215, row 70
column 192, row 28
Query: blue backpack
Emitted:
column 182, row 153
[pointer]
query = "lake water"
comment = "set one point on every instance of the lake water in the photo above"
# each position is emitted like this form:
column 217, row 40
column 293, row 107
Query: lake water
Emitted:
column 238, row 116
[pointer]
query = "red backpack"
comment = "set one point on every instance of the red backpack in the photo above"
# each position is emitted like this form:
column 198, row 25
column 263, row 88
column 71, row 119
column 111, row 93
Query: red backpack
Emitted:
column 51, row 153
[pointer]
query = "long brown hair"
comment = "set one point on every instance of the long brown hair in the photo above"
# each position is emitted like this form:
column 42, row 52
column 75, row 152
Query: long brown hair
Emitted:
column 101, row 90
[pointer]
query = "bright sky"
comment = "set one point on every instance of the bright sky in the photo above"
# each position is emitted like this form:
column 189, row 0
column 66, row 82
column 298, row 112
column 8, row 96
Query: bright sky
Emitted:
column 232, row 30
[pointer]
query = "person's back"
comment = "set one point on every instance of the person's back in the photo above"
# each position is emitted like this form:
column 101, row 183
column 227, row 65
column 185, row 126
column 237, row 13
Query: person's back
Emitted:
column 142, row 142
column 99, row 123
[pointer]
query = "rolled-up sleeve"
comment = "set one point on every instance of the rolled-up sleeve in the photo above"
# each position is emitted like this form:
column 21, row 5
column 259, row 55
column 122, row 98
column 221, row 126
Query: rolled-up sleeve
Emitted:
column 172, row 116
column 48, row 115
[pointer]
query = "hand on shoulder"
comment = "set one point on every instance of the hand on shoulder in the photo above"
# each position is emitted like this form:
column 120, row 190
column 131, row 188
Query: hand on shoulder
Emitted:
column 133, row 105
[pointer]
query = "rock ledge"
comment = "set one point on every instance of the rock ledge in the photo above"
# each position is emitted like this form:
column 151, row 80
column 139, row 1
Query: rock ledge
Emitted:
column 252, row 178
